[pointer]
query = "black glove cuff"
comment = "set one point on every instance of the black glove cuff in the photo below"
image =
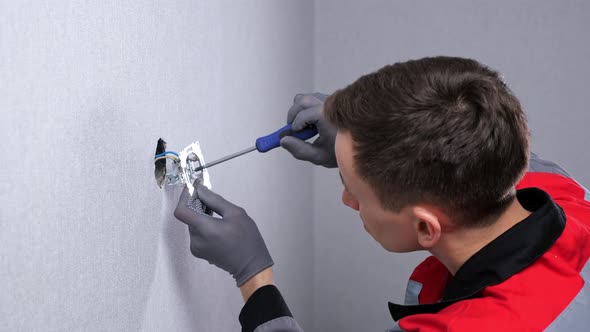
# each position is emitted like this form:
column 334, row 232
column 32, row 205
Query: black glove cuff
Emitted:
column 264, row 305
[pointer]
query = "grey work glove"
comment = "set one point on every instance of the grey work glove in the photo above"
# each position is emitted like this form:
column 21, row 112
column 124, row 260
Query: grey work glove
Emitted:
column 307, row 110
column 232, row 242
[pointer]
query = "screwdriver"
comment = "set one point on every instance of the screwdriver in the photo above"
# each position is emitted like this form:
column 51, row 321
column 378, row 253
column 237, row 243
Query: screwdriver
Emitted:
column 267, row 143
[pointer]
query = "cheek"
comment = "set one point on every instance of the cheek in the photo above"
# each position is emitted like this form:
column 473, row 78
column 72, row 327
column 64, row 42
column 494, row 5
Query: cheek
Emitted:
column 393, row 233
column 372, row 222
column 349, row 200
column 403, row 238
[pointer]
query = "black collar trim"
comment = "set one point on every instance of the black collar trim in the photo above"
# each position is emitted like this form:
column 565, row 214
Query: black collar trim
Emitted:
column 502, row 258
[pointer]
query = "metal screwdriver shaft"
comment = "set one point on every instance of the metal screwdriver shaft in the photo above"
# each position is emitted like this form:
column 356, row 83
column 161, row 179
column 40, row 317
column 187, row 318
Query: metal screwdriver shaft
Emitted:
column 267, row 143
column 226, row 158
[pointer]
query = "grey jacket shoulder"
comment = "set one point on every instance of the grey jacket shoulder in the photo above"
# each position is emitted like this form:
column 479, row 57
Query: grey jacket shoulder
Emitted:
column 536, row 164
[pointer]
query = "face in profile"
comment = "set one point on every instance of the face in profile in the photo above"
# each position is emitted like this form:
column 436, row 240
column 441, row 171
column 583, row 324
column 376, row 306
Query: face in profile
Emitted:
column 395, row 231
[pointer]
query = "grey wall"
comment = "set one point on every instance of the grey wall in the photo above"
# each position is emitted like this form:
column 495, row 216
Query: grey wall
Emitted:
column 86, row 88
column 541, row 47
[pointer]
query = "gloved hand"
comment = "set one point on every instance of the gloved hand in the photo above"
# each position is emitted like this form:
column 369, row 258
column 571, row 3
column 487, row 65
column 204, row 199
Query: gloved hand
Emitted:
column 232, row 242
column 307, row 110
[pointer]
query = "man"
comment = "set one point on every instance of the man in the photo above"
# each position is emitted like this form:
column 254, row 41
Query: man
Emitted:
column 434, row 154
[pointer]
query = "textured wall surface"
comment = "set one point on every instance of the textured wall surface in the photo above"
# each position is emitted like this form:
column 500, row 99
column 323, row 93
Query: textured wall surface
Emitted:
column 539, row 46
column 86, row 88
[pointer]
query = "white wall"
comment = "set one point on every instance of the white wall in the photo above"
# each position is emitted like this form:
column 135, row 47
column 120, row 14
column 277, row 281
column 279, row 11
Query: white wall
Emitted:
column 86, row 89
column 542, row 49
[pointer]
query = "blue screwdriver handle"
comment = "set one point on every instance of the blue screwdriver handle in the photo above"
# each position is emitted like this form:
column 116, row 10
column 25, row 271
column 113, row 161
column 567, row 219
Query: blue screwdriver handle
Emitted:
column 271, row 141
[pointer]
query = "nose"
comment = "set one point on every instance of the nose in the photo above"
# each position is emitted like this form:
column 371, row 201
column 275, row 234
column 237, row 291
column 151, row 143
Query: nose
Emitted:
column 349, row 200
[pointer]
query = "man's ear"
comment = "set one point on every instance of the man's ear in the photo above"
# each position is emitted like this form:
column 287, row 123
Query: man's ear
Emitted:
column 427, row 226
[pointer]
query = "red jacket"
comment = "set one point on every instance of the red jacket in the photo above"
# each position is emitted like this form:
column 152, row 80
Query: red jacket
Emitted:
column 533, row 277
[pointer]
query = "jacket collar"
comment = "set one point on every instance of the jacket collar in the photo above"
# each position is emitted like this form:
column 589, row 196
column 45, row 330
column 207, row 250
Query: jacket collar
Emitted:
column 505, row 256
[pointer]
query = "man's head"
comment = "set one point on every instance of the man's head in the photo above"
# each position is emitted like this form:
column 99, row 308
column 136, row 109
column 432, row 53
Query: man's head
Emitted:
column 426, row 144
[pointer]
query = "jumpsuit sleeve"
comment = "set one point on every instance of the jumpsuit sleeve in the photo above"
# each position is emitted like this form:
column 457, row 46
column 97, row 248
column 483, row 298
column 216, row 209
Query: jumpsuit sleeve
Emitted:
column 553, row 179
column 266, row 311
column 536, row 164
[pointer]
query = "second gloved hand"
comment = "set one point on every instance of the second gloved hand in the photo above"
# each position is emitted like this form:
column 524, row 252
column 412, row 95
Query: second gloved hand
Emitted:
column 307, row 110
column 232, row 242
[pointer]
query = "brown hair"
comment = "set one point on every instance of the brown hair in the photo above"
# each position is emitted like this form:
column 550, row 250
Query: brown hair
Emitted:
column 440, row 130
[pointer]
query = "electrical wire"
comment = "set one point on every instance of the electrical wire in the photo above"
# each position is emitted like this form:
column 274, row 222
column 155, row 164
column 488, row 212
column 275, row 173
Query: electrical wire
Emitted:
column 166, row 153
column 167, row 157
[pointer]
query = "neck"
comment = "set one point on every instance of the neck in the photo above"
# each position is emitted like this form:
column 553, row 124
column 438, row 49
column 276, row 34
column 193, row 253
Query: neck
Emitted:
column 457, row 246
